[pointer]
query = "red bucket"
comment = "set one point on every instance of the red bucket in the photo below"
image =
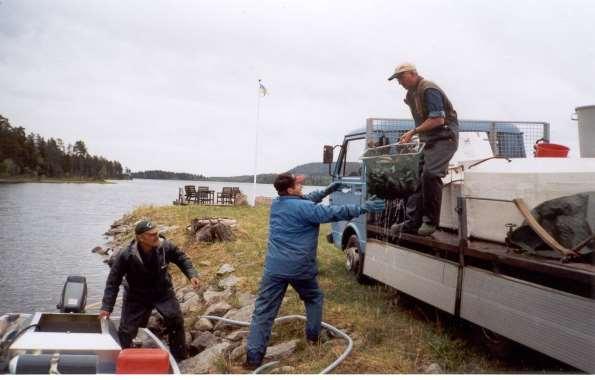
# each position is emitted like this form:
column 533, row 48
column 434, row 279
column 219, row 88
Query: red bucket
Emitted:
column 550, row 150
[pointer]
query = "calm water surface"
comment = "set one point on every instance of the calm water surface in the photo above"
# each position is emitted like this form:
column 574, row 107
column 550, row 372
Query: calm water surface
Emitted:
column 47, row 232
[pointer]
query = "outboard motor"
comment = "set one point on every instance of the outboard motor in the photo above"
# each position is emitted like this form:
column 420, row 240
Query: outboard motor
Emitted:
column 74, row 295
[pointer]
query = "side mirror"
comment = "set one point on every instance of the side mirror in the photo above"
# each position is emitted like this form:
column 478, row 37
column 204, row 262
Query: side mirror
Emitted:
column 327, row 157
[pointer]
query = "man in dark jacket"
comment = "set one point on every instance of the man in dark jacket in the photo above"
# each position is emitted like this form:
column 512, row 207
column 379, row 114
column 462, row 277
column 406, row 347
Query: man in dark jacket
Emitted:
column 291, row 257
column 148, row 286
column 437, row 125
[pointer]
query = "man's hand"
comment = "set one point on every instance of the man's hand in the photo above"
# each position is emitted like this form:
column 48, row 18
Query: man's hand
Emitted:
column 406, row 138
column 104, row 314
column 195, row 282
column 335, row 186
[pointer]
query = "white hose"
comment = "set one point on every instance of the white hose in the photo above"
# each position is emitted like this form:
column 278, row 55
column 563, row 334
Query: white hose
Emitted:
column 286, row 318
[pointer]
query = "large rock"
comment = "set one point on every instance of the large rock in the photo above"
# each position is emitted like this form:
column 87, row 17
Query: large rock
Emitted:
column 238, row 352
column 225, row 269
column 117, row 223
column 189, row 321
column 143, row 341
column 433, row 368
column 6, row 321
column 245, row 299
column 164, row 229
column 203, row 340
column 281, row 350
column 183, row 290
column 202, row 362
column 203, row 324
column 118, row 230
column 211, row 230
column 192, row 305
column 211, row 296
column 218, row 309
column 190, row 298
column 237, row 335
column 101, row 250
column 229, row 282
column 243, row 314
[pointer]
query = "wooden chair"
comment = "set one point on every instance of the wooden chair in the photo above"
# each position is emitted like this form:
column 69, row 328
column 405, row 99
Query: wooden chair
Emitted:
column 205, row 196
column 225, row 196
column 191, row 194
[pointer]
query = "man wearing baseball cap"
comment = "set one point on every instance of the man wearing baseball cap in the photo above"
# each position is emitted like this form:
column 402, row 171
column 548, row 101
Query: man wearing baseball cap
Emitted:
column 291, row 257
column 437, row 126
column 148, row 286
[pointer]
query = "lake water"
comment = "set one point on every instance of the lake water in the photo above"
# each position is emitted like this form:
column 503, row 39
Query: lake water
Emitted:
column 47, row 232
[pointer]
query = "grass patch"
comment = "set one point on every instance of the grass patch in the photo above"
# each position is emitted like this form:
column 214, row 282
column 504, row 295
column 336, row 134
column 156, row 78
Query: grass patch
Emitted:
column 391, row 332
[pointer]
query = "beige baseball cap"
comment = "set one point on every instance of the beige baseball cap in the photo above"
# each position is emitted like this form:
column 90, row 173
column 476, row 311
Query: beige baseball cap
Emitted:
column 403, row 67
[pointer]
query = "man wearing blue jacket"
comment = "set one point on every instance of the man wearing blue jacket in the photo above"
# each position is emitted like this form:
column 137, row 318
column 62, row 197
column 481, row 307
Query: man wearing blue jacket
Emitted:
column 291, row 257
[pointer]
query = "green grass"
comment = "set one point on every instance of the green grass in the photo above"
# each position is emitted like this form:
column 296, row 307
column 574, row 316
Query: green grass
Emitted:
column 392, row 333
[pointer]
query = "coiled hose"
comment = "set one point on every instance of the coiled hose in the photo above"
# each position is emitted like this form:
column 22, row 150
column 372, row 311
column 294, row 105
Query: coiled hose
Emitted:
column 286, row 318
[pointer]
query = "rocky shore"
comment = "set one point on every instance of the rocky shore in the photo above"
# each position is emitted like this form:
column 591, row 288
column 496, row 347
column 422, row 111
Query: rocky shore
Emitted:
column 213, row 346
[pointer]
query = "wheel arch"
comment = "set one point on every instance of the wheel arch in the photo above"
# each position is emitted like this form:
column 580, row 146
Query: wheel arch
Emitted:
column 351, row 229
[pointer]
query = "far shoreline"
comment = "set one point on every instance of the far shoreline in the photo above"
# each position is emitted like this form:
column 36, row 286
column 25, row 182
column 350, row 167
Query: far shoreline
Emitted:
column 14, row 180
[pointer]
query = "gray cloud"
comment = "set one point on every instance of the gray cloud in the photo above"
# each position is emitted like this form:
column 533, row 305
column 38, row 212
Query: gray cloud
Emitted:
column 172, row 85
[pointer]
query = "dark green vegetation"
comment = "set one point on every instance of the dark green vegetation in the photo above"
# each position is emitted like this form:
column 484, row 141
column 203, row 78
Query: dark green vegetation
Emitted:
column 160, row 174
column 31, row 157
column 316, row 175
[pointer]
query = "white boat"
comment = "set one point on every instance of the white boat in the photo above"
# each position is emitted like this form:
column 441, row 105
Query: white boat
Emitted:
column 79, row 343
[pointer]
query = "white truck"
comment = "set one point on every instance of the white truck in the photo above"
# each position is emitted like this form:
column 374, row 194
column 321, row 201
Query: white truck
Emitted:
column 469, row 268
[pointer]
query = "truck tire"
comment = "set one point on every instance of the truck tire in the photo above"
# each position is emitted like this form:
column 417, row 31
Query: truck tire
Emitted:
column 499, row 346
column 354, row 260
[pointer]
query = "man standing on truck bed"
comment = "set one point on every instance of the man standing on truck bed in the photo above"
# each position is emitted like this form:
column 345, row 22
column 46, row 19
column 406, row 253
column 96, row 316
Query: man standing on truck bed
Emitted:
column 437, row 125
column 291, row 257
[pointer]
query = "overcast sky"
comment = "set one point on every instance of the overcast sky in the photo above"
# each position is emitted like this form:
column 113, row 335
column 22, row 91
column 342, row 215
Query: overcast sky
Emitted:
column 172, row 85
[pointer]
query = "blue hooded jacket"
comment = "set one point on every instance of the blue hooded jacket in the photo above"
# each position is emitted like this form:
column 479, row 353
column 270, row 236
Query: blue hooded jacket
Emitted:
column 293, row 233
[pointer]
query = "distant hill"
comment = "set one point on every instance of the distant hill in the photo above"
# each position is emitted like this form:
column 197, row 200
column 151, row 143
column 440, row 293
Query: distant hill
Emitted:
column 316, row 175
column 320, row 169
column 160, row 174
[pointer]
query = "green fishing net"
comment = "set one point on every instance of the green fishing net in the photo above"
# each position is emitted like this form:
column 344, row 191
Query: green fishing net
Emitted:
column 393, row 171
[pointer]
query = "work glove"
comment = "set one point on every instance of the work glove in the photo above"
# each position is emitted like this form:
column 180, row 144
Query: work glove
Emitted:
column 335, row 186
column 373, row 204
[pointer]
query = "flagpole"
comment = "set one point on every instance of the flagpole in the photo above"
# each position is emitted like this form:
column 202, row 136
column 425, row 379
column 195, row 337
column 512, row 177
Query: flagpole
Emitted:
column 256, row 142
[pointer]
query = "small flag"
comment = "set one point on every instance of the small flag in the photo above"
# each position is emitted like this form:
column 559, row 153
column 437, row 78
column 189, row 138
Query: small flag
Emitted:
column 263, row 89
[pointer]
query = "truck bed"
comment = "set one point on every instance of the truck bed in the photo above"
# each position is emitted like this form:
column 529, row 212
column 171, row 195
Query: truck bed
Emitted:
column 576, row 277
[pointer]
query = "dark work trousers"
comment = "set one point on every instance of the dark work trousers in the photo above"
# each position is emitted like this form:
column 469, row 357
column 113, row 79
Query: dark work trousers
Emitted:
column 136, row 313
column 424, row 205
column 268, row 302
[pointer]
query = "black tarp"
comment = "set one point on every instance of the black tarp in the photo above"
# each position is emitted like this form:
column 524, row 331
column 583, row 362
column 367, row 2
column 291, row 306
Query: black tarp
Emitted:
column 570, row 220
